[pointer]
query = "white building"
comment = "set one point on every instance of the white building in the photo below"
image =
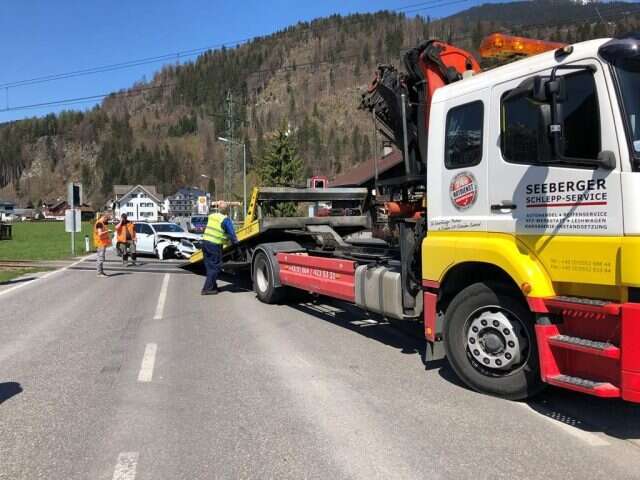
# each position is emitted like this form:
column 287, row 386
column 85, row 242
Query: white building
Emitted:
column 139, row 202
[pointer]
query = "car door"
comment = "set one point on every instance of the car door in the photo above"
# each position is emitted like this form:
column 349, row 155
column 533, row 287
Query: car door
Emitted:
column 144, row 238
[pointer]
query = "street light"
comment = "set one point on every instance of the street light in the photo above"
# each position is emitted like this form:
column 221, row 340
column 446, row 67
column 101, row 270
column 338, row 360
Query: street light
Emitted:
column 244, row 173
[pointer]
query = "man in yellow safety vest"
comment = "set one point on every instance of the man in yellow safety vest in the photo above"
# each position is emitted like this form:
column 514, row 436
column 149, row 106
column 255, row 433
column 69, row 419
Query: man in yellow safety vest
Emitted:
column 218, row 232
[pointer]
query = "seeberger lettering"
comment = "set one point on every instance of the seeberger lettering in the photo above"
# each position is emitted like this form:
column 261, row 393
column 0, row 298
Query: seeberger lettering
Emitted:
column 567, row 193
column 568, row 186
column 567, row 206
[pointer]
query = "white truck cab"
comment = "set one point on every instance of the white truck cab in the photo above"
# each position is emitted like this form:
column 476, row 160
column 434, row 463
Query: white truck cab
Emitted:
column 558, row 170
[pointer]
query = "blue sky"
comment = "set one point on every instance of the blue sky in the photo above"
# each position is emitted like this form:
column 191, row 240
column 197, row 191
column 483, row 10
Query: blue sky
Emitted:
column 39, row 38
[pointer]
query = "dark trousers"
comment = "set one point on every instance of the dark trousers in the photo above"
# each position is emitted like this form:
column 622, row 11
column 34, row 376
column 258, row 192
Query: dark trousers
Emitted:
column 126, row 248
column 213, row 264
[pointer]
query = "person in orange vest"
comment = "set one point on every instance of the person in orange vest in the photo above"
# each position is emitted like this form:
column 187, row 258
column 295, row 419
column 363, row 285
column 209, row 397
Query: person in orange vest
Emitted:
column 101, row 239
column 126, row 240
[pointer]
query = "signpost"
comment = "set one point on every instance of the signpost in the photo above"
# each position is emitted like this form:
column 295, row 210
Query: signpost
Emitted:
column 72, row 217
column 203, row 205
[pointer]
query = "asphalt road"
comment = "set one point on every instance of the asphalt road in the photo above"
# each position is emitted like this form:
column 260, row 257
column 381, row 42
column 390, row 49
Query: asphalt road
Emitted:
column 137, row 376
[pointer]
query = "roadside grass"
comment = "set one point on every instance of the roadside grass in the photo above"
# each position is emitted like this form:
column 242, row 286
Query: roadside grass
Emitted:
column 9, row 274
column 42, row 241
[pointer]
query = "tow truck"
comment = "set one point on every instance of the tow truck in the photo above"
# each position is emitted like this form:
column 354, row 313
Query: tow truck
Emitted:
column 514, row 231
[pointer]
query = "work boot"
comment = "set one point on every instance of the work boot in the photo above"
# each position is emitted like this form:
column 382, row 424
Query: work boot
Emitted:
column 209, row 292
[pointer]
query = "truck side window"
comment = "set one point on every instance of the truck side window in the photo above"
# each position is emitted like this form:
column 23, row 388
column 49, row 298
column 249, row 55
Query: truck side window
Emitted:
column 524, row 138
column 463, row 142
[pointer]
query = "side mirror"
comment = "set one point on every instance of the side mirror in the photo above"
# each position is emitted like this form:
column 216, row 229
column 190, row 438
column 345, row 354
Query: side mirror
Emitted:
column 552, row 88
column 607, row 160
column 541, row 89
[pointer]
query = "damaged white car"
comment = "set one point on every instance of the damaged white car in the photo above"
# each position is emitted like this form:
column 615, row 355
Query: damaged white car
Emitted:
column 165, row 240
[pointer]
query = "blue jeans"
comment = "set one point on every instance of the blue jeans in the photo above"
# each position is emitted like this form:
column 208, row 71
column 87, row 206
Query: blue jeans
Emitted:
column 212, row 263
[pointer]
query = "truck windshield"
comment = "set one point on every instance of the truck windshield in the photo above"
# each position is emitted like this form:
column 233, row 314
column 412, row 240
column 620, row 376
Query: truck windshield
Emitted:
column 629, row 81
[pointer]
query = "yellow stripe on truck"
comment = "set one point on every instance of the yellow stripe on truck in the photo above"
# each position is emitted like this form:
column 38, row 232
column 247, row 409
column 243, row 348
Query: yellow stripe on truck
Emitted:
column 441, row 251
column 551, row 264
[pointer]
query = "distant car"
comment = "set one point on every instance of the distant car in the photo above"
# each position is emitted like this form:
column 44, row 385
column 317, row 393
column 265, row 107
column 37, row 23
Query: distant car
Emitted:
column 198, row 223
column 164, row 240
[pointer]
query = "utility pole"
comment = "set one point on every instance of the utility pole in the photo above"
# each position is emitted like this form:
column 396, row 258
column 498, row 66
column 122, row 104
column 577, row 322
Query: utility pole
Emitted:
column 228, row 163
column 375, row 152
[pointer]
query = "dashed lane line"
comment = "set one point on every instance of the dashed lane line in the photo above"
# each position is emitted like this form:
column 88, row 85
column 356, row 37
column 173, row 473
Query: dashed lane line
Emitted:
column 148, row 362
column 126, row 466
column 162, row 298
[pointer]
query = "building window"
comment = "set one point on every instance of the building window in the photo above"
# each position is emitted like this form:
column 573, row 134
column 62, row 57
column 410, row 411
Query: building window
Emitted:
column 463, row 142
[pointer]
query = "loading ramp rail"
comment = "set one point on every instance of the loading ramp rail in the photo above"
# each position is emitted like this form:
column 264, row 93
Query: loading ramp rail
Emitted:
column 257, row 228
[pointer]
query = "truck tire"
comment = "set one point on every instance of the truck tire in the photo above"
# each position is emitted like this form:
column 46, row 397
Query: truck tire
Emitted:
column 490, row 341
column 263, row 280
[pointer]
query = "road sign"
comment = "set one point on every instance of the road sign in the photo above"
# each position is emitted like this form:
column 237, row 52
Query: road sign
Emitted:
column 72, row 224
column 74, row 194
column 203, row 205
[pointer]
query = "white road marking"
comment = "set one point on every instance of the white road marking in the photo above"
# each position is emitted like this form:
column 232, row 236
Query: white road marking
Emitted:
column 566, row 423
column 148, row 361
column 126, row 466
column 162, row 298
column 46, row 275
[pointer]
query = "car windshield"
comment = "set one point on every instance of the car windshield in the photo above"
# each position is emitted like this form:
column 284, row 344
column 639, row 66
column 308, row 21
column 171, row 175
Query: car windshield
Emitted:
column 168, row 227
column 198, row 219
column 629, row 79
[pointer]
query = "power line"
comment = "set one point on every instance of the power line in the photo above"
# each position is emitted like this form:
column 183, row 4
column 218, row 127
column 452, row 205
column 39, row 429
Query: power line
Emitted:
column 140, row 90
column 183, row 54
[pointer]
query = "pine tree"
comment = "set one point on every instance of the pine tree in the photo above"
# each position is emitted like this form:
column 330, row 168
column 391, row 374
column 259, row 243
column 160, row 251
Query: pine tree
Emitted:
column 280, row 166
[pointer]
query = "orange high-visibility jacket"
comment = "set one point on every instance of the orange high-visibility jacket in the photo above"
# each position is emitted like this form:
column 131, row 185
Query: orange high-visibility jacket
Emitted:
column 121, row 230
column 101, row 239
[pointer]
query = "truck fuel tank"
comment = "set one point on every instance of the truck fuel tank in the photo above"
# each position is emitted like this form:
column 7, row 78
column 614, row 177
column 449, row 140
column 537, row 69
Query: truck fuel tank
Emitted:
column 379, row 289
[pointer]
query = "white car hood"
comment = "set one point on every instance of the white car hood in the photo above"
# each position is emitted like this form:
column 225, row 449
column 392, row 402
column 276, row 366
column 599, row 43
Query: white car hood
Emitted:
column 179, row 235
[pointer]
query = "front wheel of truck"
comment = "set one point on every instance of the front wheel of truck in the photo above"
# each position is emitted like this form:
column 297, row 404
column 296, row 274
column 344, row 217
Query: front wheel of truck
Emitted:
column 490, row 341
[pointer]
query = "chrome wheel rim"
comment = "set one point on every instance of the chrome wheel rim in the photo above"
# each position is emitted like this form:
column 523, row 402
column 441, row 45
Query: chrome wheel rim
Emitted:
column 262, row 277
column 497, row 342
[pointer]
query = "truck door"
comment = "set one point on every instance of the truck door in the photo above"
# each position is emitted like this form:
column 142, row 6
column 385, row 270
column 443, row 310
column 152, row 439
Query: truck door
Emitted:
column 568, row 214
column 458, row 175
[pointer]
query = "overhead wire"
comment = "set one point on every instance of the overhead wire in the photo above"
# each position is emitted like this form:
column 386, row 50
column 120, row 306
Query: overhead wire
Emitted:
column 140, row 90
column 183, row 54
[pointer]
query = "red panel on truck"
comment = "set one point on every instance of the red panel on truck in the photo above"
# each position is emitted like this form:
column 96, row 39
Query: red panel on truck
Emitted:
column 630, row 347
column 333, row 277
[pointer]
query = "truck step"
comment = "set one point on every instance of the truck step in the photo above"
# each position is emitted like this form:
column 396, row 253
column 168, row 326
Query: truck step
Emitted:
column 577, row 344
column 584, row 305
column 598, row 389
